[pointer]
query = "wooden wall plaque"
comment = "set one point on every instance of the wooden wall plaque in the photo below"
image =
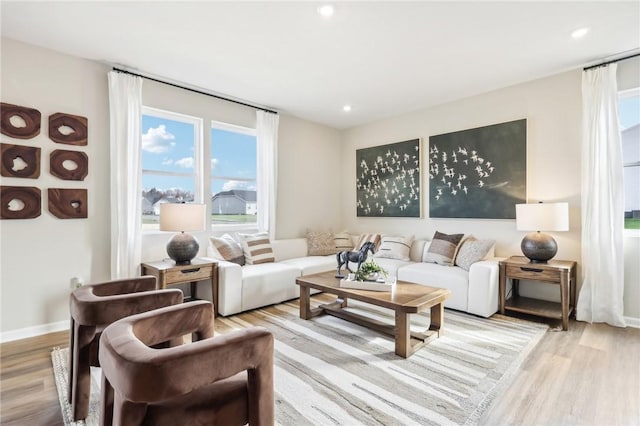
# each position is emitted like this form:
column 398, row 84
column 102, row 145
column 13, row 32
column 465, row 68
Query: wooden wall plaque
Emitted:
column 30, row 116
column 20, row 161
column 19, row 202
column 76, row 123
column 57, row 168
column 68, row 203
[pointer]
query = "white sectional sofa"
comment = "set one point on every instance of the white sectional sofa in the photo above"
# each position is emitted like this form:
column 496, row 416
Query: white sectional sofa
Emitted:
column 241, row 288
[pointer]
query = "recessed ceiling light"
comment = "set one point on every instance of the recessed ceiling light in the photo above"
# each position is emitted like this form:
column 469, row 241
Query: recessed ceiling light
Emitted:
column 326, row 10
column 580, row 32
column 346, row 108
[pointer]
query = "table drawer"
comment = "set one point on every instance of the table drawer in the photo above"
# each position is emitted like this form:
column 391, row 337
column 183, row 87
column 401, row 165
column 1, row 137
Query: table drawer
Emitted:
column 531, row 272
column 193, row 273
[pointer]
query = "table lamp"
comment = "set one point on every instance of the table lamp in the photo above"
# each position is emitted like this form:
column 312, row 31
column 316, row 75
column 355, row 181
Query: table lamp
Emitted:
column 536, row 246
column 181, row 217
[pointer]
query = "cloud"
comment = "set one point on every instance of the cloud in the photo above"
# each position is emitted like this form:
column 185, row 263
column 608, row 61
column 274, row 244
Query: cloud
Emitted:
column 158, row 140
column 238, row 184
column 186, row 162
column 214, row 163
column 167, row 162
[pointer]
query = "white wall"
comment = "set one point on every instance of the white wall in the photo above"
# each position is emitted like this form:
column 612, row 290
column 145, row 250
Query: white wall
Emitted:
column 552, row 107
column 39, row 256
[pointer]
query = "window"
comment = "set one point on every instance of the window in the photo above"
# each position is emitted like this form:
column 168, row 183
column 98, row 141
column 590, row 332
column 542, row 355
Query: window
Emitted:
column 171, row 162
column 233, row 175
column 629, row 113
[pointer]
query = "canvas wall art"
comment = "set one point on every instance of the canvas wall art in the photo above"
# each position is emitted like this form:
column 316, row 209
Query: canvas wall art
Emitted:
column 388, row 180
column 478, row 173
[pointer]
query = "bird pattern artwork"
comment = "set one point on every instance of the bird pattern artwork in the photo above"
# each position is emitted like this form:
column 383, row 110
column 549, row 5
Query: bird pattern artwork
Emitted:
column 478, row 173
column 388, row 180
column 455, row 172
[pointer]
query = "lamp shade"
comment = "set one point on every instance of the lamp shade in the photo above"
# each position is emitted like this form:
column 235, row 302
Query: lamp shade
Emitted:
column 542, row 217
column 182, row 217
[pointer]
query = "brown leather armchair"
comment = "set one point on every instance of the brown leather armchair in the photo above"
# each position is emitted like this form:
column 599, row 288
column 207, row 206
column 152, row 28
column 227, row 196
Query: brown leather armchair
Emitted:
column 222, row 380
column 92, row 308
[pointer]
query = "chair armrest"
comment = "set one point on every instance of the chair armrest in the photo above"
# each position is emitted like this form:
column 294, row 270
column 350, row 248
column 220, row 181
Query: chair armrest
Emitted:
column 87, row 308
column 126, row 285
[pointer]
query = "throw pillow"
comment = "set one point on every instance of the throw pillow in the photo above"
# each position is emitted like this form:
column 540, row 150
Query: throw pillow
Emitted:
column 257, row 248
column 395, row 247
column 443, row 248
column 320, row 243
column 227, row 249
column 471, row 251
column 342, row 241
column 365, row 238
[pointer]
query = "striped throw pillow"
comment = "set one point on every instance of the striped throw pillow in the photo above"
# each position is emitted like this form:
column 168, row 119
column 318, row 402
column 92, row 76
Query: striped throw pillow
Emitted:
column 395, row 247
column 226, row 248
column 365, row 238
column 343, row 241
column 443, row 249
column 257, row 248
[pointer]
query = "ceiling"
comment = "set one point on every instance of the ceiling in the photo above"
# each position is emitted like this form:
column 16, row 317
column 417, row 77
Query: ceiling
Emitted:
column 382, row 58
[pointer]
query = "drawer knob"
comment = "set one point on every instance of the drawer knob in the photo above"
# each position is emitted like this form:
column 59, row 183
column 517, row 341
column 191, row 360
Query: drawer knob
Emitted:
column 530, row 269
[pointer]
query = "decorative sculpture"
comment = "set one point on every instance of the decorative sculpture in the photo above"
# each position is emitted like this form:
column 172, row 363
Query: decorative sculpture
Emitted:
column 344, row 257
column 20, row 161
column 76, row 128
column 30, row 116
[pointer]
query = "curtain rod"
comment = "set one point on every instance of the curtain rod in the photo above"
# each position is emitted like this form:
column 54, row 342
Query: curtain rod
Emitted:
column 610, row 62
column 194, row 90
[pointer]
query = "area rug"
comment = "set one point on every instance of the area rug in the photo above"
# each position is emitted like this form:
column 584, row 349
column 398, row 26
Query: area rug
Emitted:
column 331, row 372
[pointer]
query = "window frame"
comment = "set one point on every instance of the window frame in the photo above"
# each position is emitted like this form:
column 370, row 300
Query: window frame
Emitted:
column 628, row 93
column 198, row 156
column 231, row 227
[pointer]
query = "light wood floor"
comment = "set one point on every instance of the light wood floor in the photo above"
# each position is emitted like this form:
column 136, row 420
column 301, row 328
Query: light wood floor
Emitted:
column 588, row 375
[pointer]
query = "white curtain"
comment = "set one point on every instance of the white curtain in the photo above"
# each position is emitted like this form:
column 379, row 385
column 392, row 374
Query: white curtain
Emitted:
column 125, row 108
column 601, row 295
column 267, row 152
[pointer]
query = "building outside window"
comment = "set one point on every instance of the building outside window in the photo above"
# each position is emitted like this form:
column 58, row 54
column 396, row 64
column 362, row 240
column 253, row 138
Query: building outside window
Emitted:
column 629, row 113
column 233, row 175
column 171, row 162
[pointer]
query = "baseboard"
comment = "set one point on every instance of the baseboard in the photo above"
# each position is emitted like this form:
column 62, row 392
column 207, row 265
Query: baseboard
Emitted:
column 25, row 333
column 632, row 322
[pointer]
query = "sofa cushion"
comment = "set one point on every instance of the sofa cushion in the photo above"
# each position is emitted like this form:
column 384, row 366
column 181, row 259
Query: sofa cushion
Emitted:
column 257, row 248
column 454, row 278
column 226, row 248
column 394, row 247
column 471, row 251
column 320, row 243
column 443, row 248
column 268, row 283
column 313, row 264
column 391, row 266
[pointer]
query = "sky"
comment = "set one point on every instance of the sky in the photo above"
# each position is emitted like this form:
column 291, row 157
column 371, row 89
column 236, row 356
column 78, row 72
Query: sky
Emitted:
column 167, row 146
column 629, row 111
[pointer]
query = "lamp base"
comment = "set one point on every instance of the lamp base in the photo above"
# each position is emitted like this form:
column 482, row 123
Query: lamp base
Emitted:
column 182, row 248
column 539, row 247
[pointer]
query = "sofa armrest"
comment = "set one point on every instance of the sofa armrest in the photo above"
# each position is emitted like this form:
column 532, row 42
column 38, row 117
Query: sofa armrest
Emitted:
column 229, row 288
column 483, row 288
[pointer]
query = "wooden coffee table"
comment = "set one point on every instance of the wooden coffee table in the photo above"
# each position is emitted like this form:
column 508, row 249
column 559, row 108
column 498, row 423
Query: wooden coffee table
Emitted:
column 405, row 299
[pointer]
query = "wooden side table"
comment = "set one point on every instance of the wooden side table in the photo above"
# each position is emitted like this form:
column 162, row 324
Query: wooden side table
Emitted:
column 168, row 273
column 558, row 272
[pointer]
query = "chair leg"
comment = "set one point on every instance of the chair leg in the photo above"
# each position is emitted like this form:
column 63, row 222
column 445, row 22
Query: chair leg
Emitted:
column 127, row 413
column 106, row 402
column 81, row 373
column 72, row 333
